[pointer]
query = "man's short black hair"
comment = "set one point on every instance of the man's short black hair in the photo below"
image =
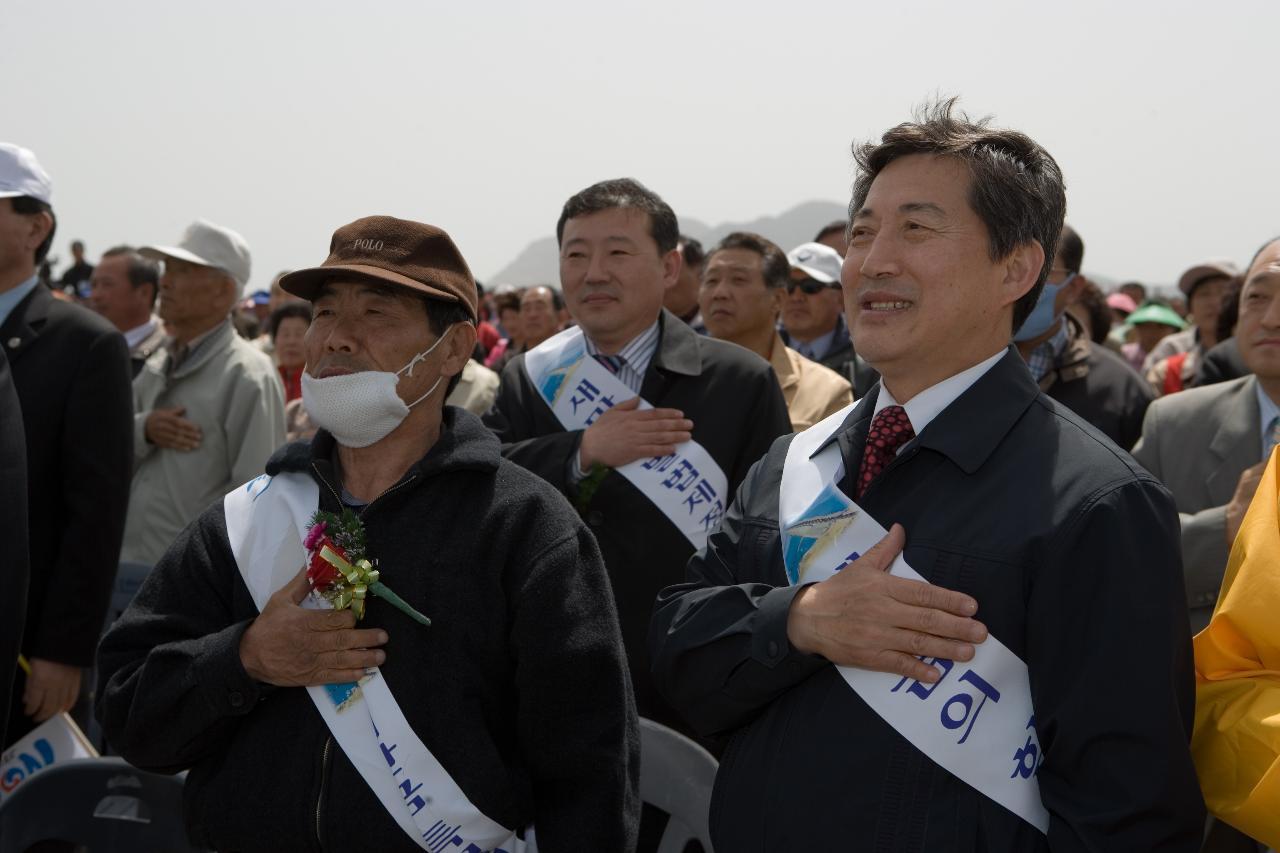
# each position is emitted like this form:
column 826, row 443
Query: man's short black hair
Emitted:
column 301, row 310
column 839, row 226
column 141, row 271
column 627, row 193
column 691, row 251
column 1071, row 250
column 774, row 267
column 1015, row 185
column 28, row 206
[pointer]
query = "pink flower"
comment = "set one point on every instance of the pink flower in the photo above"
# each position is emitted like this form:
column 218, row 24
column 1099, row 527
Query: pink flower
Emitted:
column 314, row 535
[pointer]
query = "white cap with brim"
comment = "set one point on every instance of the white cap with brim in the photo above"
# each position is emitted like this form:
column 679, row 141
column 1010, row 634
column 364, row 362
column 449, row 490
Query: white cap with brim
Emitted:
column 22, row 175
column 208, row 245
column 819, row 262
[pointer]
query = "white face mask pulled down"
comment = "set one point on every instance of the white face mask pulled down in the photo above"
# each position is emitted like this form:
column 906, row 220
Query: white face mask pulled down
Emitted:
column 360, row 409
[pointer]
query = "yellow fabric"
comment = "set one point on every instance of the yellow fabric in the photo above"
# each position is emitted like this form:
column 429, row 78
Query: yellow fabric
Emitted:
column 1236, row 743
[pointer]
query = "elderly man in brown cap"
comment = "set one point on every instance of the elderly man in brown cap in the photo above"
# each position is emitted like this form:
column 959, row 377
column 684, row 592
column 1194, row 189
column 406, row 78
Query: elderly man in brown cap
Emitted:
column 482, row 706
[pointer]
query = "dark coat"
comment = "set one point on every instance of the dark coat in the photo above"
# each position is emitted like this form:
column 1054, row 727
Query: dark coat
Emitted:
column 71, row 369
column 13, row 533
column 737, row 409
column 518, row 687
column 1221, row 363
column 1072, row 553
column 1100, row 387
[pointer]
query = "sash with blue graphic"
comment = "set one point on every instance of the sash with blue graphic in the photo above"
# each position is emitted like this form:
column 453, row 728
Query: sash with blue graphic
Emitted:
column 266, row 522
column 688, row 486
column 976, row 721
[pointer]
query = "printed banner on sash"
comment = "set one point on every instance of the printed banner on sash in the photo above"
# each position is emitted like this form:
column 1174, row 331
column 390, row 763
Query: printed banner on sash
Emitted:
column 266, row 522
column 976, row 721
column 55, row 741
column 687, row 486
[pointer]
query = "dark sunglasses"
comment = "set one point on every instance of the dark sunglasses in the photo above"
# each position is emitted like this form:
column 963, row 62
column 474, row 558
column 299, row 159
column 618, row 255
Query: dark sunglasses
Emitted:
column 809, row 286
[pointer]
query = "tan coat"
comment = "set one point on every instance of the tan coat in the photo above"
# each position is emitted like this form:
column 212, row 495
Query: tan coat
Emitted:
column 812, row 391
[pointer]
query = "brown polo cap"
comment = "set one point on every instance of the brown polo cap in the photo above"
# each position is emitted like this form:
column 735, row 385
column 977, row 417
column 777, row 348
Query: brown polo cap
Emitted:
column 418, row 257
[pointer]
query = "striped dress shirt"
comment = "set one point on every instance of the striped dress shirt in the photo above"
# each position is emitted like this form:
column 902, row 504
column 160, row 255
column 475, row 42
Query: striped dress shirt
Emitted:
column 636, row 356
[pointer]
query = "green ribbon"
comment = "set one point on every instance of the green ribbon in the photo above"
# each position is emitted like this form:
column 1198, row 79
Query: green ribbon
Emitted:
column 362, row 578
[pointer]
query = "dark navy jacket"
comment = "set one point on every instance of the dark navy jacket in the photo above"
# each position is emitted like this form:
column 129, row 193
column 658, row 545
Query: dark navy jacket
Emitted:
column 1072, row 553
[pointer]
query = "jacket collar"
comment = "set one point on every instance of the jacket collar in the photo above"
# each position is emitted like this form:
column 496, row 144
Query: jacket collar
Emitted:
column 677, row 347
column 464, row 444
column 1238, row 438
column 214, row 345
column 996, row 401
column 1073, row 363
column 783, row 367
column 24, row 323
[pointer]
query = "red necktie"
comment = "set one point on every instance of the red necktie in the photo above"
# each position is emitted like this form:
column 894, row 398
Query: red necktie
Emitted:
column 890, row 429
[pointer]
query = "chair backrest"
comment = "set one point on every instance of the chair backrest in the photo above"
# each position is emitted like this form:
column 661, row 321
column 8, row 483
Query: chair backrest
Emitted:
column 676, row 776
column 101, row 803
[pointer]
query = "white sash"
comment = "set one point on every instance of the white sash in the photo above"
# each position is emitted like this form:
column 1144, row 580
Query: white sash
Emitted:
column 976, row 721
column 267, row 520
column 688, row 486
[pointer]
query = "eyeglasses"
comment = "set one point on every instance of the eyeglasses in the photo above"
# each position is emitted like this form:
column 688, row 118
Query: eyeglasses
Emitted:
column 809, row 286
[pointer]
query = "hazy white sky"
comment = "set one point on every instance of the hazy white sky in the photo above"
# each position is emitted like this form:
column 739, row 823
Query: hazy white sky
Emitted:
column 284, row 120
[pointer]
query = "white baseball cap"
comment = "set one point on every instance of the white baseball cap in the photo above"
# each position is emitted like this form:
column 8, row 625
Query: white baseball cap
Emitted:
column 22, row 175
column 819, row 262
column 209, row 245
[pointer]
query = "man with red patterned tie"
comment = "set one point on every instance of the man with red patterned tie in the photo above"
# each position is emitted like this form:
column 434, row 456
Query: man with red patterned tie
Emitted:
column 950, row 617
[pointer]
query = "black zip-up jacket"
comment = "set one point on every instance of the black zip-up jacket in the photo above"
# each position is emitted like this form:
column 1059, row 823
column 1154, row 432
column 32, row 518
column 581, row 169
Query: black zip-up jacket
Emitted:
column 1072, row 552
column 519, row 687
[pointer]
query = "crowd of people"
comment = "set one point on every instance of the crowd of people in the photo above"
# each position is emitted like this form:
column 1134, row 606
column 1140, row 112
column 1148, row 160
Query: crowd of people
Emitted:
column 631, row 493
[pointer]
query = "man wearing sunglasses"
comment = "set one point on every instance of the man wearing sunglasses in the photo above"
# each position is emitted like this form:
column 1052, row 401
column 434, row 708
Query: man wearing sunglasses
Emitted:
column 813, row 315
column 1088, row 379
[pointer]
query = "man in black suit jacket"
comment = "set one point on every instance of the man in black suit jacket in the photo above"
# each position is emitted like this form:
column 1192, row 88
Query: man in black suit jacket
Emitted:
column 618, row 256
column 13, row 533
column 71, row 370
column 1015, row 511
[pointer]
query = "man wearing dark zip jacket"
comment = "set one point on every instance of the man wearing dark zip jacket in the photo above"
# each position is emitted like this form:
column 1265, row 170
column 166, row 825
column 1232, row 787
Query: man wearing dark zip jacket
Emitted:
column 509, row 718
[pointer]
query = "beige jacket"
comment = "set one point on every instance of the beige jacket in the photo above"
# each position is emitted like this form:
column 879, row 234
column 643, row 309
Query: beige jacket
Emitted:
column 812, row 391
column 476, row 389
column 232, row 391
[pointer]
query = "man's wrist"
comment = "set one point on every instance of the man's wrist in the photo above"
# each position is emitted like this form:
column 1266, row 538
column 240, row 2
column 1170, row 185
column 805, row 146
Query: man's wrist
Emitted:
column 797, row 621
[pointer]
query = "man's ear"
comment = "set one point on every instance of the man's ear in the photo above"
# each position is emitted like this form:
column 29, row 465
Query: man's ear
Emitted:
column 461, row 344
column 672, row 263
column 1021, row 270
column 38, row 229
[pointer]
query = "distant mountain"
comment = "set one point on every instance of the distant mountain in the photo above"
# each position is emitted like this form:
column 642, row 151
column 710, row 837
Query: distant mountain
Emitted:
column 539, row 262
